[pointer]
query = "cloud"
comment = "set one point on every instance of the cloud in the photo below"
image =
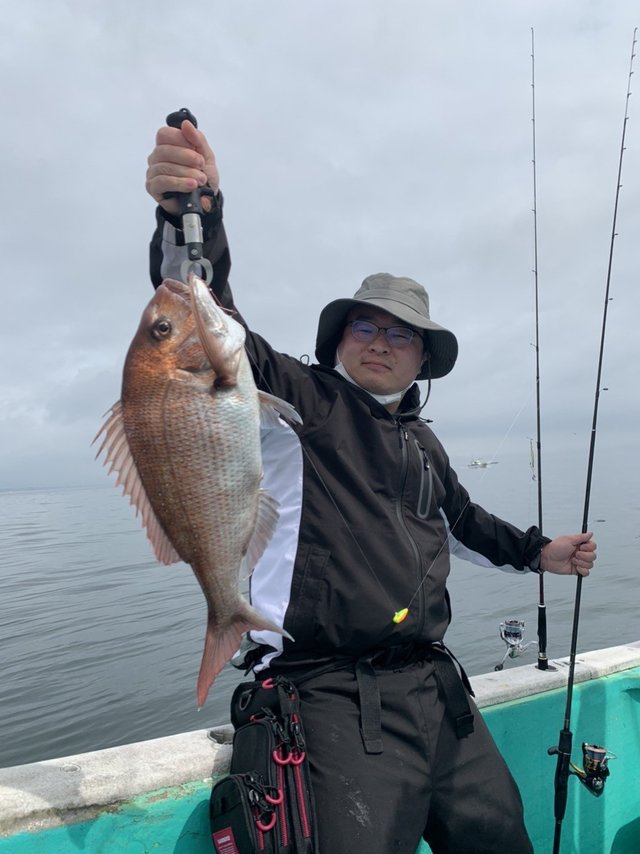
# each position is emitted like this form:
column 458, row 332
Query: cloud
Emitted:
column 351, row 139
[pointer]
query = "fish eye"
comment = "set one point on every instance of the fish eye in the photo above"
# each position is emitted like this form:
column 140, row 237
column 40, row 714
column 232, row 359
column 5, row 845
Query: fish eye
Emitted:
column 161, row 328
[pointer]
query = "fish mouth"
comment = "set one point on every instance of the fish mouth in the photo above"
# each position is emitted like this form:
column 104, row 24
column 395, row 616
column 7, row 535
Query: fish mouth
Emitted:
column 179, row 289
column 211, row 322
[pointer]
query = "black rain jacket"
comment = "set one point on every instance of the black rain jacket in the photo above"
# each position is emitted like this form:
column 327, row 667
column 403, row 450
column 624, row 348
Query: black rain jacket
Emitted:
column 378, row 496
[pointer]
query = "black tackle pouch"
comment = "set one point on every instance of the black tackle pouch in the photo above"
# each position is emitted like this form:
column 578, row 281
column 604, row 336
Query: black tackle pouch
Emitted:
column 242, row 812
column 266, row 804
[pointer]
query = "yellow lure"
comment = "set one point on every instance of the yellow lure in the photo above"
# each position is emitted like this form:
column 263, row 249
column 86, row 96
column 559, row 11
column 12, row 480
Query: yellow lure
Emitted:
column 399, row 616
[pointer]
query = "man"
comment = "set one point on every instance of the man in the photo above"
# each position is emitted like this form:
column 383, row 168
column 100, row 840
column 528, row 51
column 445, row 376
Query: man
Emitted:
column 357, row 569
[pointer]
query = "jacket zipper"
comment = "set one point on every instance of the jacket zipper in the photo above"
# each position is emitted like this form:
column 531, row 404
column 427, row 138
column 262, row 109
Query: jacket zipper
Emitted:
column 426, row 483
column 404, row 443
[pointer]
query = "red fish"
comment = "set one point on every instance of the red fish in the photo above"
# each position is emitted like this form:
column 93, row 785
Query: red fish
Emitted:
column 184, row 440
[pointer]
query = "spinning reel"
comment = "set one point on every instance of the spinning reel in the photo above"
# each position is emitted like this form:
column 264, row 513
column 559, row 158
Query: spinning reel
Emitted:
column 595, row 760
column 512, row 632
column 595, row 769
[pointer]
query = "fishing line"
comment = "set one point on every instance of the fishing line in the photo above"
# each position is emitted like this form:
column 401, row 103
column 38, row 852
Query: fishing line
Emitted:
column 543, row 662
column 563, row 749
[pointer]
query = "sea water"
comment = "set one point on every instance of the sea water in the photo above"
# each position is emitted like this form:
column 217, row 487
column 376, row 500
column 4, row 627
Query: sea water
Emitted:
column 100, row 645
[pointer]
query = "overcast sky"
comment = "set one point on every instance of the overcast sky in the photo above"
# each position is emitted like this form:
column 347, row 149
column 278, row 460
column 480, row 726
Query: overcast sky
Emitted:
column 352, row 138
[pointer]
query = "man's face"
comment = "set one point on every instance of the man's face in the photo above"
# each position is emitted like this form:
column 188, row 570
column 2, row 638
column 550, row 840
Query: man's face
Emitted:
column 378, row 366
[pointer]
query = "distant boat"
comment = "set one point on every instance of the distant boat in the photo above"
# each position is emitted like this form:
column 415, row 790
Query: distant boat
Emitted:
column 482, row 464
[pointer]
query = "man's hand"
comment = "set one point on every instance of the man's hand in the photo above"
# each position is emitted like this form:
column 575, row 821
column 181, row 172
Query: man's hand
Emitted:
column 181, row 161
column 573, row 554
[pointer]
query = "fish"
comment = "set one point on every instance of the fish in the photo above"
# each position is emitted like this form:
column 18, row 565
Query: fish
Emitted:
column 184, row 441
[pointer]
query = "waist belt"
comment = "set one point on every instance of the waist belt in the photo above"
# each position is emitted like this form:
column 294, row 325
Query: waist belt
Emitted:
column 453, row 684
column 452, row 681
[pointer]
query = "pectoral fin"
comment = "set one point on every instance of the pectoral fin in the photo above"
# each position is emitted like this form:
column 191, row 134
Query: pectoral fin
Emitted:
column 272, row 406
column 266, row 521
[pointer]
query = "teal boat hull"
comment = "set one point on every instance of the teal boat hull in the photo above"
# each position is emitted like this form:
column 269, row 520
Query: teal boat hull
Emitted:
column 523, row 707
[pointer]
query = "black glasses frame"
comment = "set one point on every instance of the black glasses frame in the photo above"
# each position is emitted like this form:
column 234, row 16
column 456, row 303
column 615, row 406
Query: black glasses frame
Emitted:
column 378, row 329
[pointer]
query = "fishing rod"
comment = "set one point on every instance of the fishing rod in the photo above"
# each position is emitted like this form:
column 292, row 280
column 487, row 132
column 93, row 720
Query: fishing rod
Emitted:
column 595, row 757
column 512, row 630
column 543, row 661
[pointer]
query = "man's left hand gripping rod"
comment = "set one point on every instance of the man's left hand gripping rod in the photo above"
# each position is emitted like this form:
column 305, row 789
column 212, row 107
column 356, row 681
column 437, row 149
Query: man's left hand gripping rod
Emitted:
column 190, row 212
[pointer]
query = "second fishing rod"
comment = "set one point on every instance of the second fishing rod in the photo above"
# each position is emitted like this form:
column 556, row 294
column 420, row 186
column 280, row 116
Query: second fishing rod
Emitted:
column 595, row 771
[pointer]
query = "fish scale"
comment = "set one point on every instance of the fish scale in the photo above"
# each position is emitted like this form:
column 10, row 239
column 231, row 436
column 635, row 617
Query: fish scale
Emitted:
column 196, row 447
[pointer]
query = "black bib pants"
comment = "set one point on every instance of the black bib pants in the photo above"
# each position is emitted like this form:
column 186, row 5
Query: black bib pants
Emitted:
column 456, row 793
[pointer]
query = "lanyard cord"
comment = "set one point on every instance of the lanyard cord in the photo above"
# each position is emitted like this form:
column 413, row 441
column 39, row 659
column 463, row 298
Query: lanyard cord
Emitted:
column 468, row 501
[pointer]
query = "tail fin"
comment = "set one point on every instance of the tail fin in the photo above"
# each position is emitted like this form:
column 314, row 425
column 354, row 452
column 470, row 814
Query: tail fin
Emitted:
column 221, row 643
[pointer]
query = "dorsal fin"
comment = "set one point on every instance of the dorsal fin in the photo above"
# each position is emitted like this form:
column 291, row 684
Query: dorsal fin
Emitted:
column 119, row 459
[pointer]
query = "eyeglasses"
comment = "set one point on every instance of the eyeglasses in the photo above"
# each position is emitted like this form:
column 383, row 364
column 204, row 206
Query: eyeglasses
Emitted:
column 366, row 332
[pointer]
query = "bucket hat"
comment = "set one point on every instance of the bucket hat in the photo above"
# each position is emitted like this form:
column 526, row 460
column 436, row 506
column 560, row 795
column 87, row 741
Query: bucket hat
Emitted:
column 405, row 299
